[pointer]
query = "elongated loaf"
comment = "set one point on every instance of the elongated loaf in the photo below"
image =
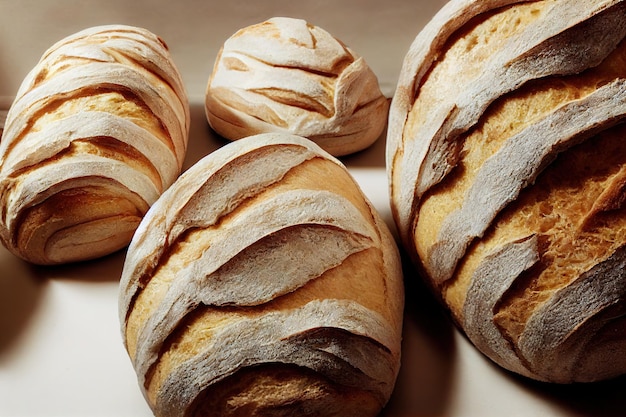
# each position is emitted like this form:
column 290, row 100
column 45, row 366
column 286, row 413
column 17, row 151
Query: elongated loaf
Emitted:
column 507, row 164
column 287, row 75
column 263, row 283
column 97, row 131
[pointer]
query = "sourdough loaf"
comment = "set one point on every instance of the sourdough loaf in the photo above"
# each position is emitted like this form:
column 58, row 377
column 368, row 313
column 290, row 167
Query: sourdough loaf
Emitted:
column 287, row 75
column 506, row 159
column 263, row 282
column 97, row 131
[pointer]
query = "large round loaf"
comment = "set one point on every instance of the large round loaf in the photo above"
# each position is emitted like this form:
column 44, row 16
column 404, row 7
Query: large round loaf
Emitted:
column 506, row 158
column 97, row 131
column 287, row 75
column 263, row 282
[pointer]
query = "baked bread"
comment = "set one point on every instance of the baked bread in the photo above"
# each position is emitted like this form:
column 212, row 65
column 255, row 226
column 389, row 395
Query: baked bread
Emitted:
column 506, row 159
column 263, row 283
column 97, row 131
column 287, row 75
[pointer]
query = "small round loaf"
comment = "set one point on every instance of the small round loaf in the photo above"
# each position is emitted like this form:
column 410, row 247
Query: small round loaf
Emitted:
column 97, row 131
column 286, row 75
column 263, row 282
column 506, row 159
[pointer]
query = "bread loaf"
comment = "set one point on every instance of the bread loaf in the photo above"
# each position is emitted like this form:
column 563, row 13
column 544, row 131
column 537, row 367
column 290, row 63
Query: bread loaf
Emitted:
column 506, row 158
column 97, row 131
column 263, row 283
column 287, row 75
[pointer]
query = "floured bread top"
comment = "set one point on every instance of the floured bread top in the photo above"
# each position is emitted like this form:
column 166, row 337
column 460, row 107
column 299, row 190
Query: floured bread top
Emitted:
column 287, row 75
column 263, row 257
column 506, row 159
column 97, row 131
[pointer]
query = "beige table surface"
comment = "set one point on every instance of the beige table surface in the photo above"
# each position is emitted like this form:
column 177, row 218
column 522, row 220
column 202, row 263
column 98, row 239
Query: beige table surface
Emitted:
column 60, row 345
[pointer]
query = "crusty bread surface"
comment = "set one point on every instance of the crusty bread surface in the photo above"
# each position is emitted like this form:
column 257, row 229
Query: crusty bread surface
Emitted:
column 97, row 131
column 507, row 166
column 288, row 75
column 264, row 282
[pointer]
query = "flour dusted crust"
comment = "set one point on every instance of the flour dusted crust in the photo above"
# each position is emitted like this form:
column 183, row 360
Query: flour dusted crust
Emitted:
column 506, row 158
column 263, row 281
column 97, row 131
column 287, row 75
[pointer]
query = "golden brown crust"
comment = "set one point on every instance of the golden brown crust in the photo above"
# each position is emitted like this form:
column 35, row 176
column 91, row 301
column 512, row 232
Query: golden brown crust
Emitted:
column 98, row 130
column 282, row 391
column 287, row 75
column 509, row 192
column 263, row 256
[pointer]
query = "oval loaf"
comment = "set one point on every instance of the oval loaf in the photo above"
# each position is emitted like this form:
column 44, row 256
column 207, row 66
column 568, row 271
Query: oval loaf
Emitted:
column 263, row 282
column 97, row 131
column 287, row 75
column 506, row 158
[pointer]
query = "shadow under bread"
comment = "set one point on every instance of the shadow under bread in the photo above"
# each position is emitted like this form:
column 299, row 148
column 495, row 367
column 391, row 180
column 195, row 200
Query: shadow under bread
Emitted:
column 426, row 379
